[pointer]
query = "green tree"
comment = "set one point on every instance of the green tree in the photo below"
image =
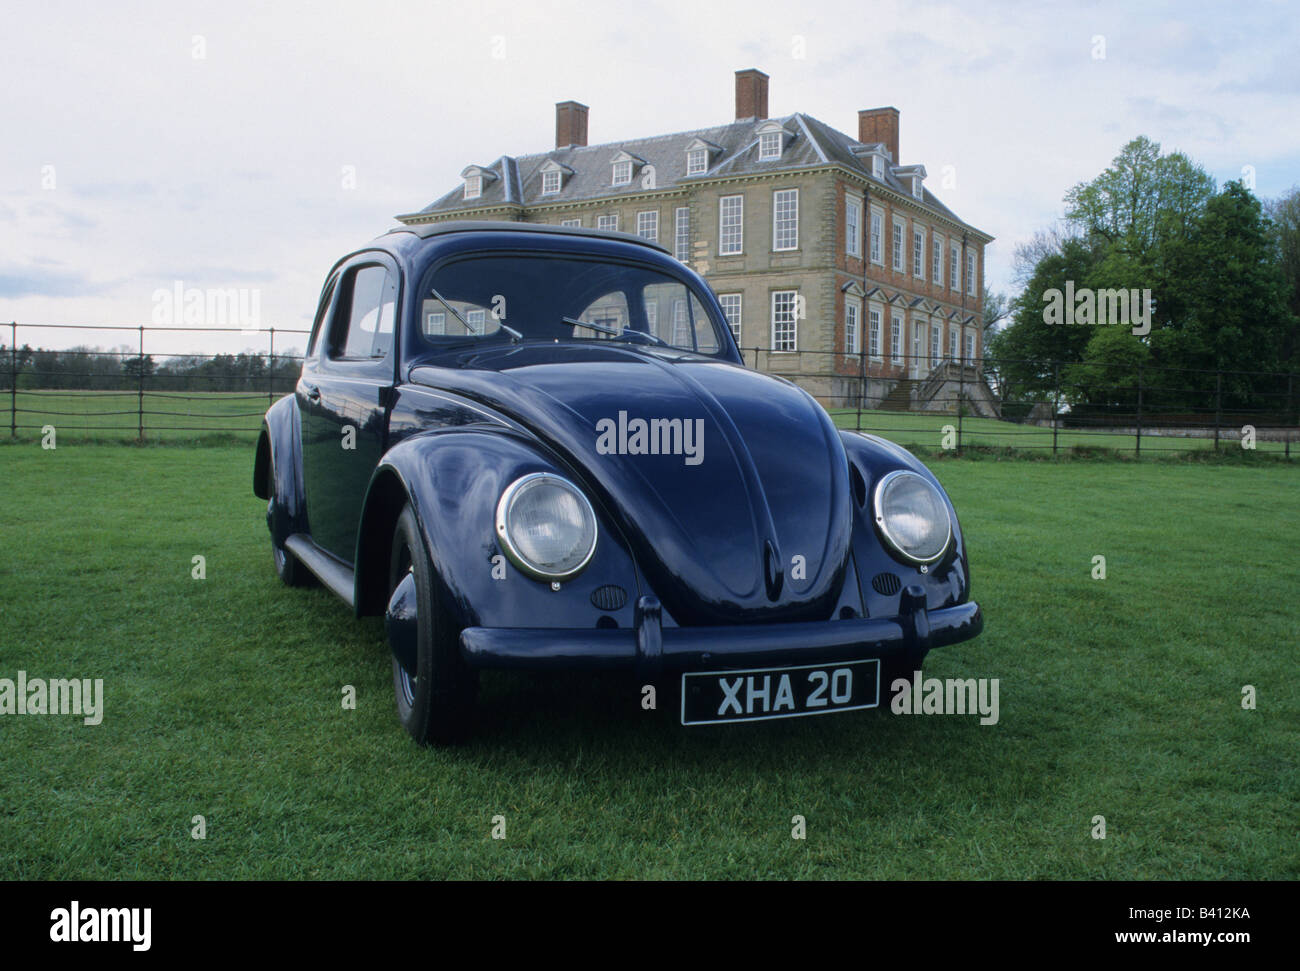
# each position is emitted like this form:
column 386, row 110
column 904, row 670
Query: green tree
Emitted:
column 1107, row 377
column 1140, row 201
column 1023, row 353
column 1224, row 302
column 1284, row 229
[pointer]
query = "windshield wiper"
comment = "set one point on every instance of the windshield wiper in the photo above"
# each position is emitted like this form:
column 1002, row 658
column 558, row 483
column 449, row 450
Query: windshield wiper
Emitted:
column 601, row 328
column 515, row 336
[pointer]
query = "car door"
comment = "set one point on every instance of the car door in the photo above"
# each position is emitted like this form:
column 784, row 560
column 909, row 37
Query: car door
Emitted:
column 345, row 394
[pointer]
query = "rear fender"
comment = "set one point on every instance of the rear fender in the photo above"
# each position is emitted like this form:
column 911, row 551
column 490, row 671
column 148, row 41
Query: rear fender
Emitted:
column 280, row 444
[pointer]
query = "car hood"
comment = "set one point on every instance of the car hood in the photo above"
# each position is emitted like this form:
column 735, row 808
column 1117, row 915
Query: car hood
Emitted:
column 748, row 515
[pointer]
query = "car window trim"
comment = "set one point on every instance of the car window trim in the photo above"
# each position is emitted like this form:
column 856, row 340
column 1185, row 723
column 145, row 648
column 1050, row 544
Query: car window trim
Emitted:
column 345, row 274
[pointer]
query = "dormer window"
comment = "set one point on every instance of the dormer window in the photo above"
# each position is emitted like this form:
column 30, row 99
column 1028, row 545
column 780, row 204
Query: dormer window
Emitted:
column 878, row 168
column 698, row 152
column 771, row 140
column 625, row 165
column 476, row 177
column 553, row 176
column 912, row 176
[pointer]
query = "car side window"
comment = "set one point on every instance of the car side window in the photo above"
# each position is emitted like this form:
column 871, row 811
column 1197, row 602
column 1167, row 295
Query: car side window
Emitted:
column 327, row 296
column 363, row 320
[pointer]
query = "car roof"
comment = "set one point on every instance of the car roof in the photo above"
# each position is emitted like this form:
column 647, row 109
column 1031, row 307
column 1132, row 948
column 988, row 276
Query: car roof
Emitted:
column 426, row 230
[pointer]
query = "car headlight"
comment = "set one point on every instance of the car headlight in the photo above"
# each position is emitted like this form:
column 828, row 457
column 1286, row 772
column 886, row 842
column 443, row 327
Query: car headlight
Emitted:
column 912, row 517
column 546, row 526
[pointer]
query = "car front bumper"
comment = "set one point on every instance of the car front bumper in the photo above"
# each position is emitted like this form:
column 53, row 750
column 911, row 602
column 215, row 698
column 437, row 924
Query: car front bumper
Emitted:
column 650, row 649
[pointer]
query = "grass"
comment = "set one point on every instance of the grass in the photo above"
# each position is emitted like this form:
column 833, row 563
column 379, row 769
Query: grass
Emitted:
column 1118, row 698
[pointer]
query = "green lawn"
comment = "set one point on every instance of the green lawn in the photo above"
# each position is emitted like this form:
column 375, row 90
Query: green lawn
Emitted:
column 1118, row 697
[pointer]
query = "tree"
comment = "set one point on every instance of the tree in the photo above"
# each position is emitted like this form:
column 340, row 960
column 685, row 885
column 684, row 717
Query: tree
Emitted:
column 1227, row 305
column 1023, row 353
column 134, row 368
column 1284, row 230
column 1141, row 200
column 1107, row 375
column 996, row 309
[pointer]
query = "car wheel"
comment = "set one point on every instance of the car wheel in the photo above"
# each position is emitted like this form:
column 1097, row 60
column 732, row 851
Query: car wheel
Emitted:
column 287, row 566
column 436, row 702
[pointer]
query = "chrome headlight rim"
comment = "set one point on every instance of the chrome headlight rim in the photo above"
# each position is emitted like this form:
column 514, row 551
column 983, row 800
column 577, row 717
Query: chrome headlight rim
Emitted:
column 512, row 551
column 895, row 547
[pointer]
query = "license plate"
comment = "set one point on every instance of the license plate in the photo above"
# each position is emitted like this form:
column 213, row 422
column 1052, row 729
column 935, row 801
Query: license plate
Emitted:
column 712, row 697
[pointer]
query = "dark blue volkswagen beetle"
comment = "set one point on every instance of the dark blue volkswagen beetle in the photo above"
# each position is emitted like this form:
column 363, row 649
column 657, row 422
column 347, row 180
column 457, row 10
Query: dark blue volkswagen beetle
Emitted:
column 536, row 448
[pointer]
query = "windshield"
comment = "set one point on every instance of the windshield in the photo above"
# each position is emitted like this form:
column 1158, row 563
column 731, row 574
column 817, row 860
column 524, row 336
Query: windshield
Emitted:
column 495, row 298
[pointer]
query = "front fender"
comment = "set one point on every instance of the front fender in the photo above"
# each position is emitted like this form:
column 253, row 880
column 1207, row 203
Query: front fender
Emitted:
column 280, row 444
column 453, row 479
column 945, row 583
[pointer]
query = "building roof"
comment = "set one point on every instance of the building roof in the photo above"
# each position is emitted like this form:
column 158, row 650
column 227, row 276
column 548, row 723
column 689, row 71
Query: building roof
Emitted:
column 813, row 144
column 425, row 230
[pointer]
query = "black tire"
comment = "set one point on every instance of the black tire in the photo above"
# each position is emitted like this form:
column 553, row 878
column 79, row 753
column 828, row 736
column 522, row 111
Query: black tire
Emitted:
column 437, row 706
column 287, row 566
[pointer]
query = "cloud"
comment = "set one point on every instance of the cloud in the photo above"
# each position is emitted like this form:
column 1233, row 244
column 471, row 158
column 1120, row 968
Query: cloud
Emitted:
column 41, row 281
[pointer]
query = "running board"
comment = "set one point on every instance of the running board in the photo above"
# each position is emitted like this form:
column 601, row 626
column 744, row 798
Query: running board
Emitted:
column 336, row 575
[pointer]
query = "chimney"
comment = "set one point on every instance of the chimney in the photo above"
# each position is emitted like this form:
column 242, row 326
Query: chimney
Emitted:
column 570, row 124
column 751, row 95
column 880, row 125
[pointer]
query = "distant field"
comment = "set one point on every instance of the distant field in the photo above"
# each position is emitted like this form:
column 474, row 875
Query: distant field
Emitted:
column 1119, row 697
column 189, row 415
column 918, row 429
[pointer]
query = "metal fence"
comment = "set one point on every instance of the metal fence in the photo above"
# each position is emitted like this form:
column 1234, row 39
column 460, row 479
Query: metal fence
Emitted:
column 945, row 403
column 915, row 400
column 142, row 393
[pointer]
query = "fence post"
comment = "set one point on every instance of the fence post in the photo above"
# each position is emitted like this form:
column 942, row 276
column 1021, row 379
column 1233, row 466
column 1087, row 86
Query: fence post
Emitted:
column 1138, row 448
column 862, row 383
column 140, row 376
column 1290, row 407
column 961, row 391
column 13, row 379
column 1056, row 401
column 270, row 370
column 1218, row 406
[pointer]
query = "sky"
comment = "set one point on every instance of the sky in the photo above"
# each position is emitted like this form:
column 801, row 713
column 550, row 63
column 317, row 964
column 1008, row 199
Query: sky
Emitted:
column 246, row 146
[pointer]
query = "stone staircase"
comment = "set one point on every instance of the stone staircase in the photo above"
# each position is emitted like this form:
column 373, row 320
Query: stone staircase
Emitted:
column 900, row 396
